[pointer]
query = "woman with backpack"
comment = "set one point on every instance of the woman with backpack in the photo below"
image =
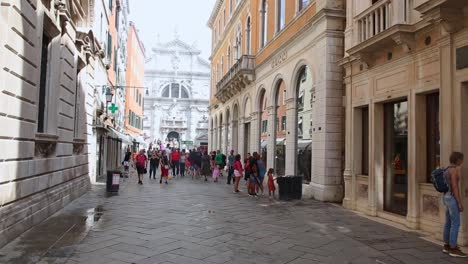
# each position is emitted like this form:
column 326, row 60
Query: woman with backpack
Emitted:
column 454, row 206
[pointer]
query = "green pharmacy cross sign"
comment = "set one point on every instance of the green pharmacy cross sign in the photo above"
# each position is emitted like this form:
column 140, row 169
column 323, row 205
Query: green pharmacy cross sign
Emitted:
column 113, row 108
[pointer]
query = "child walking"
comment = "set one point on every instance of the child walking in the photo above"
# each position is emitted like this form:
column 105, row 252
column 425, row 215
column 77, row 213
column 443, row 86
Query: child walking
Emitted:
column 216, row 173
column 271, row 183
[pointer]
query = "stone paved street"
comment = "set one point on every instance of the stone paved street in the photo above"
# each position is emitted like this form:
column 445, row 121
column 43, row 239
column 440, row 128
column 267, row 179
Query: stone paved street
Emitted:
column 196, row 222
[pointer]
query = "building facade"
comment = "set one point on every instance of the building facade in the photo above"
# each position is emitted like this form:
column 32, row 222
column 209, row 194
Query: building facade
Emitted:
column 177, row 95
column 47, row 56
column 135, row 92
column 406, row 78
column 277, row 87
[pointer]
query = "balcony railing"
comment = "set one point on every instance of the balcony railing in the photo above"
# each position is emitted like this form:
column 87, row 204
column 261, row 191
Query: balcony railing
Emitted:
column 380, row 17
column 239, row 75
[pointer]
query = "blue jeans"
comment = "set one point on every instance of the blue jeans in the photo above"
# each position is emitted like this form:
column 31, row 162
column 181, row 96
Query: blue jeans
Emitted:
column 452, row 220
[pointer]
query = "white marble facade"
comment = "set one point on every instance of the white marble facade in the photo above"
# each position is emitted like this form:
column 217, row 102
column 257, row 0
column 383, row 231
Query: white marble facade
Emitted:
column 177, row 94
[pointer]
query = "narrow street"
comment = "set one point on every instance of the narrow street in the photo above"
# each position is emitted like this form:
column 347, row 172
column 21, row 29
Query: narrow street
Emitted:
column 190, row 221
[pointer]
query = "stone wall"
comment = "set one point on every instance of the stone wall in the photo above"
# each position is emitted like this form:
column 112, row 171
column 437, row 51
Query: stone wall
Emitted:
column 41, row 172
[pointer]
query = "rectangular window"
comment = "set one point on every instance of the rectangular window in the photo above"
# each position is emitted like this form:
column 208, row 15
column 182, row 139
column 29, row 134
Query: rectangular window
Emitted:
column 41, row 119
column 117, row 20
column 77, row 104
column 365, row 142
column 432, row 133
column 109, row 46
column 281, row 15
column 110, row 4
column 264, row 126
column 283, row 123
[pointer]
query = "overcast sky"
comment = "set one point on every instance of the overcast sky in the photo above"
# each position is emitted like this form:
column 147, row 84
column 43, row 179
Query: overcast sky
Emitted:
column 163, row 17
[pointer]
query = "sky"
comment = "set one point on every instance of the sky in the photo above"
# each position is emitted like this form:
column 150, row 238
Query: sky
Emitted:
column 164, row 17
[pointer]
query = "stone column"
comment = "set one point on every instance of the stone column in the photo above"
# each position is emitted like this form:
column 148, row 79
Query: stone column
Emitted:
column 291, row 136
column 348, row 175
column 225, row 138
column 271, row 137
column 240, row 137
column 235, row 136
column 413, row 184
column 255, row 133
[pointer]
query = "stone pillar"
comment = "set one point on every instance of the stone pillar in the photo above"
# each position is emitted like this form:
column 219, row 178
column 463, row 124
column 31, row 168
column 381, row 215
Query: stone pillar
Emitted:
column 413, row 184
column 271, row 137
column 240, row 138
column 349, row 176
column 327, row 141
column 235, row 136
column 291, row 136
column 255, row 133
column 225, row 138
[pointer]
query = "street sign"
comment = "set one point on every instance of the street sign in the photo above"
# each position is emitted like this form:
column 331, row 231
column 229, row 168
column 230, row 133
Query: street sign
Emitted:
column 188, row 143
column 113, row 108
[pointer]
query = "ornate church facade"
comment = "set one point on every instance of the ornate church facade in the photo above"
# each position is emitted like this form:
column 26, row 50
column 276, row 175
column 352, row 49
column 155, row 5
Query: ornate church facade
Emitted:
column 177, row 95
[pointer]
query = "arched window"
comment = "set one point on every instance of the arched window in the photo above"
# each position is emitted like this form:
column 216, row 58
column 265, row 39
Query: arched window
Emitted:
column 248, row 38
column 175, row 90
column 280, row 15
column 264, row 23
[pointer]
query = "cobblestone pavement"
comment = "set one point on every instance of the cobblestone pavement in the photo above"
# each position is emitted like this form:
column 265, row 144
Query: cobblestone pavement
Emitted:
column 196, row 222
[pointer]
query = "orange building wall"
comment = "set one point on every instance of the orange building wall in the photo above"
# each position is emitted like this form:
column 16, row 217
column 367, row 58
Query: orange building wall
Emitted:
column 294, row 23
column 112, row 75
column 134, row 78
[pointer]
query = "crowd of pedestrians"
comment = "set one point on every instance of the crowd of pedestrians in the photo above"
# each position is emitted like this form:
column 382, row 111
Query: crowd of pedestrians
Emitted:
column 199, row 164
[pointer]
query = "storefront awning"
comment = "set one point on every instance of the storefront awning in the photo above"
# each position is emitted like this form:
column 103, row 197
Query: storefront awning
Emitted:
column 116, row 134
column 303, row 143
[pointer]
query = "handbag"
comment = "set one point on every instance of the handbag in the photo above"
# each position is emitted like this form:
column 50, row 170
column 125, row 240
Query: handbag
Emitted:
column 145, row 171
column 166, row 167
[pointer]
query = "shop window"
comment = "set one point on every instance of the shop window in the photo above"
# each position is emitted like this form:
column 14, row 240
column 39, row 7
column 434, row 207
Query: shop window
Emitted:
column 433, row 133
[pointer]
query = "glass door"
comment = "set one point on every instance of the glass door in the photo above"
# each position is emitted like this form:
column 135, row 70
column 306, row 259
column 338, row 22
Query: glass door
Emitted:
column 396, row 157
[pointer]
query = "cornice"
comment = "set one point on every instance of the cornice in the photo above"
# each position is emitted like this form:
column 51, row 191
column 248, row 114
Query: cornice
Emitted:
column 215, row 12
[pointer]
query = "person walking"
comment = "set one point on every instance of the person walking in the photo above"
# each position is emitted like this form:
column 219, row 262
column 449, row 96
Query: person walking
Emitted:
column 253, row 180
column 182, row 160
column 238, row 170
column 154, row 164
column 231, row 160
column 164, row 162
column 141, row 165
column 261, row 173
column 454, row 207
column 175, row 158
column 206, row 165
column 126, row 162
column 271, row 183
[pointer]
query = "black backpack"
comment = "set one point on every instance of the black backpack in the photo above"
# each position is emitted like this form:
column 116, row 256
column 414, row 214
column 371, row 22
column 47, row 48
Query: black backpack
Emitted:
column 439, row 181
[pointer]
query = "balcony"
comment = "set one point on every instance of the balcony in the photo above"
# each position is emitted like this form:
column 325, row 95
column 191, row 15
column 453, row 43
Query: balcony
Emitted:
column 385, row 22
column 241, row 74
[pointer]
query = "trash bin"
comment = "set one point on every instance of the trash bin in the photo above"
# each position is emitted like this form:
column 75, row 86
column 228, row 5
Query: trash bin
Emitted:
column 113, row 181
column 290, row 187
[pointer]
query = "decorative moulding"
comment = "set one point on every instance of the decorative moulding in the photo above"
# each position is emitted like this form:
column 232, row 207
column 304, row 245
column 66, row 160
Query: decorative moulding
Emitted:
column 45, row 145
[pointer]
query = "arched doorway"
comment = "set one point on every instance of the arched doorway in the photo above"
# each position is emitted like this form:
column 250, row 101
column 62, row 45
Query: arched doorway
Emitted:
column 303, row 139
column 280, row 128
column 247, row 112
column 263, row 126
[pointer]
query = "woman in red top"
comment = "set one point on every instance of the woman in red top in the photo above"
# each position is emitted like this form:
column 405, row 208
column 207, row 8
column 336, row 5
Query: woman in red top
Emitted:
column 238, row 171
column 141, row 164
